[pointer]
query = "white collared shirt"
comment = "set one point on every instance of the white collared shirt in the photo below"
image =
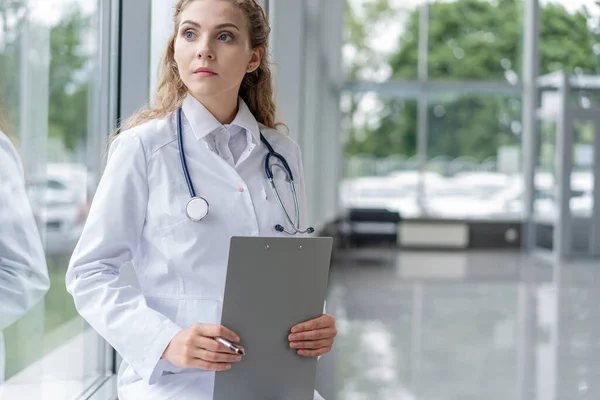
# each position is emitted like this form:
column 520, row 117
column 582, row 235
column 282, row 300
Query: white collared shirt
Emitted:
column 138, row 215
column 229, row 143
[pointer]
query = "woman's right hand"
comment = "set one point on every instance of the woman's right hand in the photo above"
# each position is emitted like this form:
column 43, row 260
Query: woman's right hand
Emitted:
column 195, row 347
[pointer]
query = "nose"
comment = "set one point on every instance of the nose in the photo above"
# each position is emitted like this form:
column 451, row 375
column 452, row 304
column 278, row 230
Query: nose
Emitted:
column 205, row 51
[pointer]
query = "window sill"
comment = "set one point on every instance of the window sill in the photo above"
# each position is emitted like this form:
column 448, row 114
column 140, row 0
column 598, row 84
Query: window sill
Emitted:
column 74, row 370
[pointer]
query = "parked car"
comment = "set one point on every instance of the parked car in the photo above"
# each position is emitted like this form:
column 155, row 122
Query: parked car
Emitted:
column 60, row 201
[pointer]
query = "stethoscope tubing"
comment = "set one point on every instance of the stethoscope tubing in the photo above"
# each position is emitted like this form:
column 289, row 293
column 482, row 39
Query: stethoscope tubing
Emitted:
column 268, row 172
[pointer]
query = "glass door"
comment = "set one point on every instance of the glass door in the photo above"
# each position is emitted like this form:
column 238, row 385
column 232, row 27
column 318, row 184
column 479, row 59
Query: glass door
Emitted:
column 584, row 226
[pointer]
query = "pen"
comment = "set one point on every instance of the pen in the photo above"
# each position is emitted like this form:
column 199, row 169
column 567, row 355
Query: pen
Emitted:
column 230, row 345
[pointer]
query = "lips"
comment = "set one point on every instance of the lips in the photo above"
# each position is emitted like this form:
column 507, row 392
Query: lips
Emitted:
column 203, row 71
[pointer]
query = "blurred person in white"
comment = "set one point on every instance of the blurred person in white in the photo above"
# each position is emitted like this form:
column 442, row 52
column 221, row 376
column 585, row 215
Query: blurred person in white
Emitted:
column 23, row 272
column 216, row 86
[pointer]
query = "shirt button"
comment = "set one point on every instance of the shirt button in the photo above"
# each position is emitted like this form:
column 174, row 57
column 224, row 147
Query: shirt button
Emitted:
column 240, row 189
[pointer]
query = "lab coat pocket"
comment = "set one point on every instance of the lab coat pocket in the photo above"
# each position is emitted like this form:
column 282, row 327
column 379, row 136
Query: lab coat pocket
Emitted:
column 198, row 311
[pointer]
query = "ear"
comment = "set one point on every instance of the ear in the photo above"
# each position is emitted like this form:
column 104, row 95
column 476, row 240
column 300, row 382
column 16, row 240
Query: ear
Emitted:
column 255, row 59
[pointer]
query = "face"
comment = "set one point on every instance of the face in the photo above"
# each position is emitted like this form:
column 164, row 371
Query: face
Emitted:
column 212, row 48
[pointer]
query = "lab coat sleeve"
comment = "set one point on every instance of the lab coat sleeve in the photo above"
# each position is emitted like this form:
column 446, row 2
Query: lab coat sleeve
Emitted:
column 23, row 272
column 110, row 238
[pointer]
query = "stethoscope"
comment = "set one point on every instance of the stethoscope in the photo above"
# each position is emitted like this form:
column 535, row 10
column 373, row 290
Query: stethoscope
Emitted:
column 197, row 207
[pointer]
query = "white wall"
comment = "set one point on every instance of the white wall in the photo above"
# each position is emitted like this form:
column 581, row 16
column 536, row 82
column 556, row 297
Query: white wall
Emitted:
column 306, row 46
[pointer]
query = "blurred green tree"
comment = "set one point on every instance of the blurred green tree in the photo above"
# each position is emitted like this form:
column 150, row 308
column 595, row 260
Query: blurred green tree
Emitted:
column 360, row 19
column 68, row 110
column 68, row 80
column 474, row 40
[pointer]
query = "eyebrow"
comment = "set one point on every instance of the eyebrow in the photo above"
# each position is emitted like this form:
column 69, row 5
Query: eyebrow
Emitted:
column 220, row 26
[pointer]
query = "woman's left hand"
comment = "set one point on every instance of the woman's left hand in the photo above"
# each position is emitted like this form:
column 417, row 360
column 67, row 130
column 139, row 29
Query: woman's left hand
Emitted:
column 315, row 337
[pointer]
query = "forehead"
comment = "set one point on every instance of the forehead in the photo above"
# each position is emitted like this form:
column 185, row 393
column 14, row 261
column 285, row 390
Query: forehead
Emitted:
column 209, row 13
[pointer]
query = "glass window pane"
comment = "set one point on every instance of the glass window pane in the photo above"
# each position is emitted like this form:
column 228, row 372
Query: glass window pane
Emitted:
column 569, row 37
column 381, row 40
column 475, row 40
column 475, row 145
column 381, row 167
column 49, row 73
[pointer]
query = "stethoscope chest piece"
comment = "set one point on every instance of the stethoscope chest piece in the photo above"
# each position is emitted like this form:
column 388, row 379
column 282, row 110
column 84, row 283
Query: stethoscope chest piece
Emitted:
column 196, row 209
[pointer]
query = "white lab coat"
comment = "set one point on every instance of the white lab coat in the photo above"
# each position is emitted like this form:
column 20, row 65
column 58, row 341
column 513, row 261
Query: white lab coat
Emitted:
column 138, row 215
column 23, row 272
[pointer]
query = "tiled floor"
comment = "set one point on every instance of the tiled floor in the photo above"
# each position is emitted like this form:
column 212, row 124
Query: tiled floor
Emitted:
column 462, row 326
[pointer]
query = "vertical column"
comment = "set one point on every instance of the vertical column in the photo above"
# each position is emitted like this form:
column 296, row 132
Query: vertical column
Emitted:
column 595, row 216
column 161, row 25
column 312, row 133
column 531, row 60
column 287, row 44
column 306, row 44
column 525, row 356
column 563, row 167
column 331, row 155
column 134, row 77
column 134, row 55
column 103, row 97
column 423, row 129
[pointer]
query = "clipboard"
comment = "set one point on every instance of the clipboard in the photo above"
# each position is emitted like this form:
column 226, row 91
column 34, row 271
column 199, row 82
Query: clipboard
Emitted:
column 272, row 284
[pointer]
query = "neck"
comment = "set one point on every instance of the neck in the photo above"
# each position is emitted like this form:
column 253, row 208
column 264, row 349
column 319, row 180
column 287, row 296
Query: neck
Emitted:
column 223, row 108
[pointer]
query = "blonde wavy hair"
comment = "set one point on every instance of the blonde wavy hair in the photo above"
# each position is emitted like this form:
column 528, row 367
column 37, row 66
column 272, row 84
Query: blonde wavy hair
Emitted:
column 256, row 88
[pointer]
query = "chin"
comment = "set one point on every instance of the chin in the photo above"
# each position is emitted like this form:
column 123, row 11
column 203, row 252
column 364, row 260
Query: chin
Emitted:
column 204, row 90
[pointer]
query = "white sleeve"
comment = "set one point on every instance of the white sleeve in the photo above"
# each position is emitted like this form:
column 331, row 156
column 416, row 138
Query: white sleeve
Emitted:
column 110, row 238
column 23, row 271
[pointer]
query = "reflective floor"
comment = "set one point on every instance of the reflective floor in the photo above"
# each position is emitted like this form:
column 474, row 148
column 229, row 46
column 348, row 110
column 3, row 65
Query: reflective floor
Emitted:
column 462, row 326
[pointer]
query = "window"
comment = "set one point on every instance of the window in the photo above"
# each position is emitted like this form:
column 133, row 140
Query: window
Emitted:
column 374, row 30
column 49, row 75
column 475, row 40
column 474, row 142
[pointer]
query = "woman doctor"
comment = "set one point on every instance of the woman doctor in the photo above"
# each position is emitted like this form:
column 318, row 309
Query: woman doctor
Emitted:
column 23, row 273
column 213, row 103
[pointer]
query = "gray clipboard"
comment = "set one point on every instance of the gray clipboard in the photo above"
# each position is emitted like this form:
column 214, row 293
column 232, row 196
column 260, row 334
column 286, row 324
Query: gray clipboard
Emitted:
column 272, row 284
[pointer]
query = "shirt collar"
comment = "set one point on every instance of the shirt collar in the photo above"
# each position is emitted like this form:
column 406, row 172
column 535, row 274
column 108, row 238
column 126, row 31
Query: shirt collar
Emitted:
column 204, row 123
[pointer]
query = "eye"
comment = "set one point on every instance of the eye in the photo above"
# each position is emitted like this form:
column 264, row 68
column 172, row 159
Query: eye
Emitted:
column 225, row 37
column 189, row 35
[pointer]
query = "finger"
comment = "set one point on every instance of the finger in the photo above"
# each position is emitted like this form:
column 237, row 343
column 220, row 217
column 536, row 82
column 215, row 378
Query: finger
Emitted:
column 312, row 344
column 313, row 335
column 209, row 366
column 311, row 325
column 214, row 357
column 314, row 353
column 211, row 330
column 324, row 321
column 214, row 346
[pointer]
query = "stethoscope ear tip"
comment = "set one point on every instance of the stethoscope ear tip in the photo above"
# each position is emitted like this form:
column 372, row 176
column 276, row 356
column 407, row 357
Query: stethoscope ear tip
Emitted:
column 310, row 230
column 279, row 228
